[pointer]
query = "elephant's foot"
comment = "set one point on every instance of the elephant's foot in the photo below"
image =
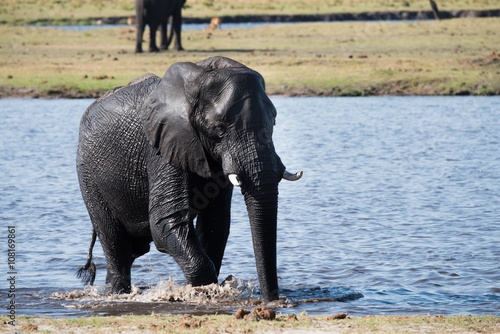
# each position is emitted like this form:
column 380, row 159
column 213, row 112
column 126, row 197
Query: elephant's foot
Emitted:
column 120, row 284
column 201, row 273
column 154, row 49
column 138, row 50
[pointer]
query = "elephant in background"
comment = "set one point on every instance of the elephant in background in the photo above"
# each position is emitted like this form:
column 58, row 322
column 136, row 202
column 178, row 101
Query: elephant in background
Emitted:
column 156, row 13
column 160, row 152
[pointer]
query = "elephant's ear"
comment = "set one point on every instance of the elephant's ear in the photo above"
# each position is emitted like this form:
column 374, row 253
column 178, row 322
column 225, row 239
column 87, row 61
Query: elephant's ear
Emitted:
column 167, row 123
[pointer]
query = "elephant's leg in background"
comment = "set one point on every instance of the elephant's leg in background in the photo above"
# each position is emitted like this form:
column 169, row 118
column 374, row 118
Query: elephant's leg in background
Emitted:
column 176, row 28
column 164, row 41
column 152, row 37
column 212, row 224
column 139, row 33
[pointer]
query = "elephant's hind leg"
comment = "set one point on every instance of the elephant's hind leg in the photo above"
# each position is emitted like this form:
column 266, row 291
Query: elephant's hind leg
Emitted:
column 119, row 248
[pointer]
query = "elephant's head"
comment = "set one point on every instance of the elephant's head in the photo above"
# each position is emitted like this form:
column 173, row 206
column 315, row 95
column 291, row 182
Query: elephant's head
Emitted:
column 214, row 118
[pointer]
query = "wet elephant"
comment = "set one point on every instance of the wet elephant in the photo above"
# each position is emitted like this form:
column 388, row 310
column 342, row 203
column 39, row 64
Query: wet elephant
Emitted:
column 157, row 154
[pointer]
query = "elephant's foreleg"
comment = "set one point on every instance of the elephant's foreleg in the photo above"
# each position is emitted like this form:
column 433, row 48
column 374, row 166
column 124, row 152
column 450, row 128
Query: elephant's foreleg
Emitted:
column 212, row 224
column 171, row 221
column 177, row 237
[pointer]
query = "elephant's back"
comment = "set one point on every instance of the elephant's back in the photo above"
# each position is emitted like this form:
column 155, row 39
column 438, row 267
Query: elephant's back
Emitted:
column 113, row 148
column 118, row 104
column 113, row 122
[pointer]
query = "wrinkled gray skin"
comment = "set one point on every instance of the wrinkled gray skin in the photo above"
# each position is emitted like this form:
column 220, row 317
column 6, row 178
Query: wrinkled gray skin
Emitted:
column 156, row 154
column 156, row 14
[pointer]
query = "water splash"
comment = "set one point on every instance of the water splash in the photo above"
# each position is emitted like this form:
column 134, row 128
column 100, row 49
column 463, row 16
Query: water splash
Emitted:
column 167, row 291
column 168, row 296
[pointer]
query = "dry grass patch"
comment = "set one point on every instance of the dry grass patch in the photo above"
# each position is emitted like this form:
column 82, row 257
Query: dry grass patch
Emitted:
column 157, row 323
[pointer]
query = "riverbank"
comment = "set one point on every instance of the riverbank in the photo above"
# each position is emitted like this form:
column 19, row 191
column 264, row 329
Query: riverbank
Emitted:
column 275, row 18
column 27, row 12
column 447, row 57
column 339, row 323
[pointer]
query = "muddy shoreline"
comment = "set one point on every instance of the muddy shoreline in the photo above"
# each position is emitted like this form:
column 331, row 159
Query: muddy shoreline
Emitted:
column 58, row 93
column 364, row 16
column 395, row 89
column 332, row 17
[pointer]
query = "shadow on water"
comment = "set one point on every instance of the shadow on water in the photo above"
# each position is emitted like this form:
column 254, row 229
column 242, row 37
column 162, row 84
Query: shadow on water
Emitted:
column 321, row 294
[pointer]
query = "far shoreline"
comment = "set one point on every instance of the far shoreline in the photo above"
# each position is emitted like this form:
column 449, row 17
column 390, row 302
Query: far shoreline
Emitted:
column 71, row 93
column 400, row 15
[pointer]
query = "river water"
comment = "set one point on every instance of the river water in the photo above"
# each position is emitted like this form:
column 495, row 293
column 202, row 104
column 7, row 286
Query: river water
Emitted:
column 398, row 212
column 185, row 27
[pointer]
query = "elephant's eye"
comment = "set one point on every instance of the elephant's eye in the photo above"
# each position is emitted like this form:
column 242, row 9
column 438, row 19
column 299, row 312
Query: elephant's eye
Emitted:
column 220, row 130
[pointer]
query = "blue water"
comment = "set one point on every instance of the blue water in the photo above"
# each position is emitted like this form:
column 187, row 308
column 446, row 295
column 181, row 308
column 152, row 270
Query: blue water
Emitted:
column 397, row 212
column 185, row 27
column 202, row 26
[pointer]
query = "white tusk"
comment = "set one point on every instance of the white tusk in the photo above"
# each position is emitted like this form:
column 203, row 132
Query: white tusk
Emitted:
column 292, row 177
column 234, row 180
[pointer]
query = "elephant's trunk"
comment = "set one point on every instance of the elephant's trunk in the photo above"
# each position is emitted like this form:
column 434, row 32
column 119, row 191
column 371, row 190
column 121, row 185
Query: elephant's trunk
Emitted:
column 262, row 206
column 257, row 169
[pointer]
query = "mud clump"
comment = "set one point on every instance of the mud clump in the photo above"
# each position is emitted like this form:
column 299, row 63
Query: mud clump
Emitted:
column 187, row 322
column 263, row 313
column 338, row 316
column 241, row 313
column 29, row 328
column 257, row 314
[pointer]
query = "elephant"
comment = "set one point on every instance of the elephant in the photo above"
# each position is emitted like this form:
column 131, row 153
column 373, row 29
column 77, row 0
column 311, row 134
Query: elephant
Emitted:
column 157, row 154
column 156, row 13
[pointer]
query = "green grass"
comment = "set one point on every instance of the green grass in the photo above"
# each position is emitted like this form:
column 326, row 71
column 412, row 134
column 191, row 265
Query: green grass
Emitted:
column 156, row 323
column 458, row 56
